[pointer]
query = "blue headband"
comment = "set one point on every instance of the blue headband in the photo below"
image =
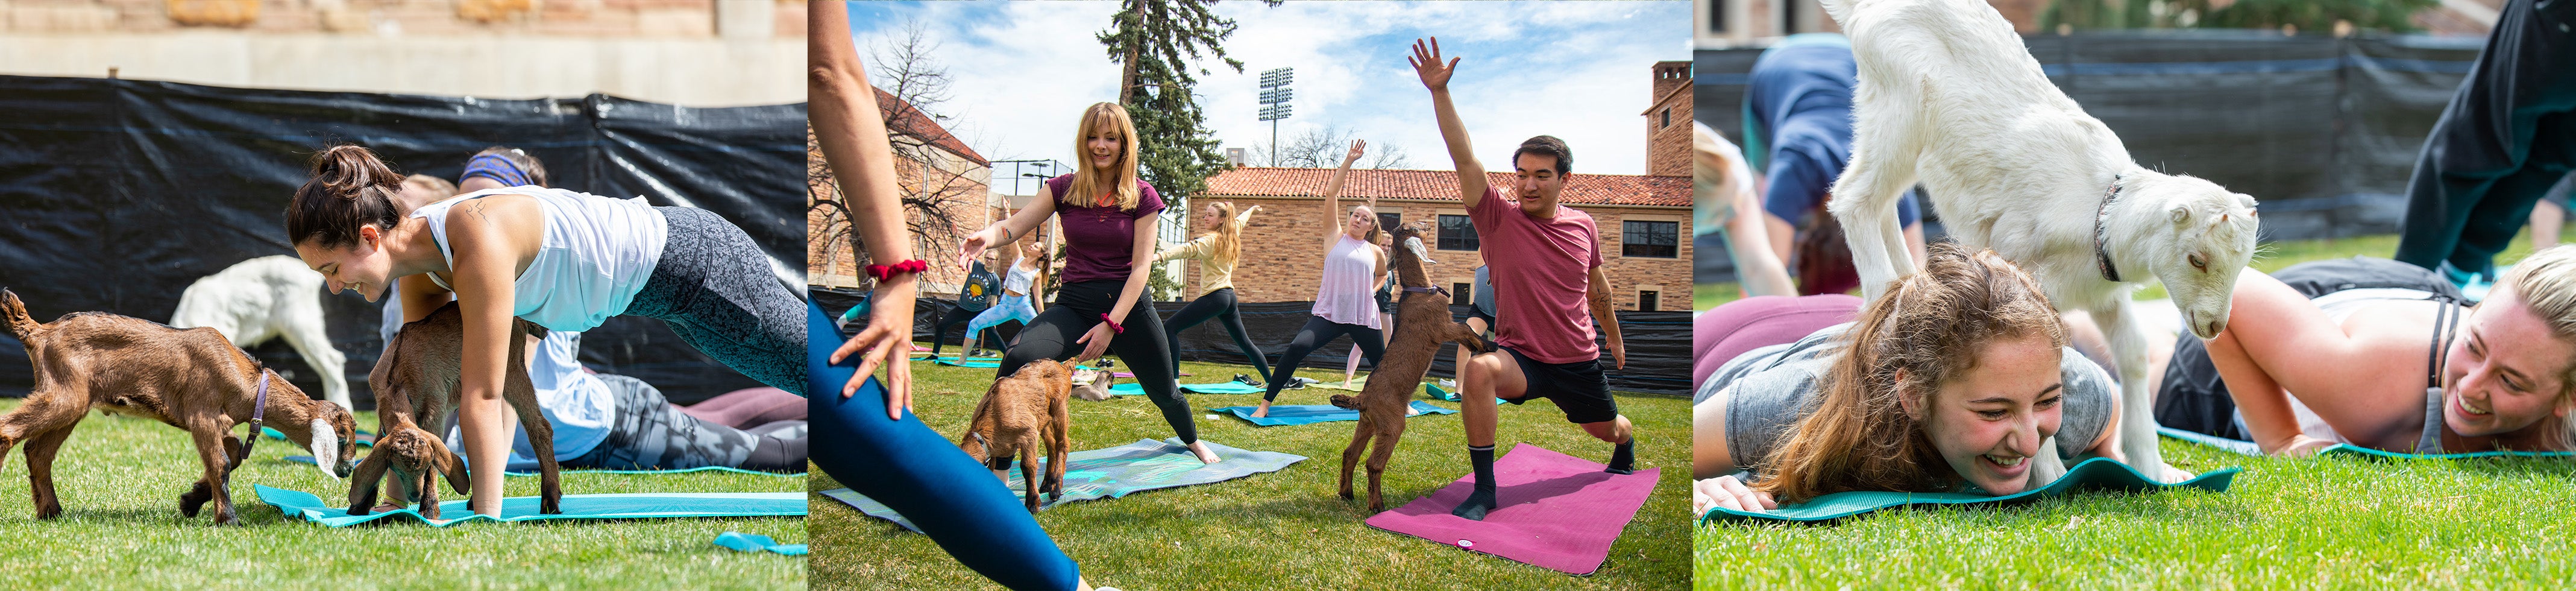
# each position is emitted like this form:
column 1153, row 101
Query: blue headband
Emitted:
column 493, row 166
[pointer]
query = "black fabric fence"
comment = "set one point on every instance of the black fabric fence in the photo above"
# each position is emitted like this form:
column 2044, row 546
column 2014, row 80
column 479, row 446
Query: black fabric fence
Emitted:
column 115, row 195
column 2323, row 131
column 1658, row 342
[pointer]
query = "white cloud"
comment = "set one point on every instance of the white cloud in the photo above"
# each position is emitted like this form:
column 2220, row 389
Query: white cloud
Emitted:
column 1577, row 70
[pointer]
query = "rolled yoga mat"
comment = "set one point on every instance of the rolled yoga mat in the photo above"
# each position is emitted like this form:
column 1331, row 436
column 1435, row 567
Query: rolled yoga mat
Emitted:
column 1553, row 511
column 743, row 542
column 1303, row 414
column 1115, row 472
column 2092, row 474
column 1132, row 389
column 2249, row 448
column 303, row 505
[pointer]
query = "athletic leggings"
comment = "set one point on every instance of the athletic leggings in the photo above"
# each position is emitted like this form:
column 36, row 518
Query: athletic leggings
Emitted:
column 1216, row 305
column 939, row 330
column 1317, row 332
column 924, row 477
column 653, row 434
column 1078, row 307
column 747, row 408
column 713, row 287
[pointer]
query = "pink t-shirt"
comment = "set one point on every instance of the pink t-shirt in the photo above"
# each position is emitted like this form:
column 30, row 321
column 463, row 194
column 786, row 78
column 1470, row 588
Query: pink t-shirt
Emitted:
column 1346, row 295
column 1542, row 273
column 1100, row 242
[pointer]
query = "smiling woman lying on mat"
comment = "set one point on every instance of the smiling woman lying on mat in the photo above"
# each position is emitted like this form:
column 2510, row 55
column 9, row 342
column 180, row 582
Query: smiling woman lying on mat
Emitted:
column 1962, row 365
column 2381, row 354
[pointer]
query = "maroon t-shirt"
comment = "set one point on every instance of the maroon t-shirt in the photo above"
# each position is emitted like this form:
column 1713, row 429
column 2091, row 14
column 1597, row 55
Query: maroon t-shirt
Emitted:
column 1100, row 242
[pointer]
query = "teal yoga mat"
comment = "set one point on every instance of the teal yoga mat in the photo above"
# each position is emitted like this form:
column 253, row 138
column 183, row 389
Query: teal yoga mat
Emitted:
column 1304, row 414
column 743, row 542
column 1114, row 472
column 2242, row 447
column 303, row 505
column 533, row 472
column 1132, row 389
column 2092, row 474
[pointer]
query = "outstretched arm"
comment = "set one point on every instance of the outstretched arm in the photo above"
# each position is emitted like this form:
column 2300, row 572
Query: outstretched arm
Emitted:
column 1435, row 76
column 1333, row 193
column 853, row 140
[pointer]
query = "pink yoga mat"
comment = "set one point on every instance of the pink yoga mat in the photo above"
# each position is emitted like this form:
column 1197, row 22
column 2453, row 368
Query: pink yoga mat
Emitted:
column 1557, row 511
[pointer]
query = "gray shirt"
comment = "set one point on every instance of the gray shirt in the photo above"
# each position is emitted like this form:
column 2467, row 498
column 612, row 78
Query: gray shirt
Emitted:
column 1769, row 390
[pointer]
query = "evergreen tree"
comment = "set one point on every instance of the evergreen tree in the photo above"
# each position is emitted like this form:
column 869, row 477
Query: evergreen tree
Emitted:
column 1157, row 41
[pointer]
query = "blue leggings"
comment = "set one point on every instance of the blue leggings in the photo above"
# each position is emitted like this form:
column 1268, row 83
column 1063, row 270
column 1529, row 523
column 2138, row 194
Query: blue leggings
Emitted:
column 923, row 476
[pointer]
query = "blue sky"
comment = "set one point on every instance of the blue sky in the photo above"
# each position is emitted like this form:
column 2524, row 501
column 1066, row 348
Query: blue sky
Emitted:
column 1576, row 70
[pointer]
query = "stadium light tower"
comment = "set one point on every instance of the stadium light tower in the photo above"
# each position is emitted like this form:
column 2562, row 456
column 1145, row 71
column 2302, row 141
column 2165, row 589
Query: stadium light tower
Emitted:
column 1274, row 103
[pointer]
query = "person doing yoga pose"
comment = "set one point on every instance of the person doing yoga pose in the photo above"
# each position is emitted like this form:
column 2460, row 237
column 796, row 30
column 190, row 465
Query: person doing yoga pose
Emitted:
column 1020, row 300
column 1949, row 383
column 1217, row 251
column 1353, row 267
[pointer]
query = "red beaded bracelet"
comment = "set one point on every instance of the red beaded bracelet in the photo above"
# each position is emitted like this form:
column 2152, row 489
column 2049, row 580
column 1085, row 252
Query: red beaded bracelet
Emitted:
column 1114, row 327
column 887, row 272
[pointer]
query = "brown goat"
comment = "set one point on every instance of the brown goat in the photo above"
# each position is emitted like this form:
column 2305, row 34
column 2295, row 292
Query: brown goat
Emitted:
column 193, row 379
column 417, row 383
column 1422, row 324
column 1019, row 412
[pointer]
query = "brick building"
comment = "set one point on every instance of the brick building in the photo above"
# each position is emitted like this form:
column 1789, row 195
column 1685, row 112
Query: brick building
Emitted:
column 1641, row 218
column 1668, row 130
column 931, row 166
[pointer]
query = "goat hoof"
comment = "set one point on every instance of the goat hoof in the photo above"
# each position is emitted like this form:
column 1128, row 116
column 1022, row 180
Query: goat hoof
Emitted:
column 193, row 501
column 49, row 512
column 1346, row 495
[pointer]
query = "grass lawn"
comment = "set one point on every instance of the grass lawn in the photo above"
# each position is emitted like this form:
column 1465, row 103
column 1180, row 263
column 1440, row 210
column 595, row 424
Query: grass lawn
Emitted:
column 1286, row 529
column 2409, row 524
column 120, row 479
column 2285, row 523
column 2273, row 256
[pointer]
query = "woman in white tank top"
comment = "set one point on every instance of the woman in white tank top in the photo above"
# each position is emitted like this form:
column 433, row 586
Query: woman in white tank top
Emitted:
column 562, row 259
column 1344, row 302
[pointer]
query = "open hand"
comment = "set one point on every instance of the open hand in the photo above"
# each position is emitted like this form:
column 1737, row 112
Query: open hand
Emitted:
column 1357, row 147
column 886, row 342
column 1618, row 355
column 1726, row 491
column 2300, row 446
column 974, row 244
column 1426, row 63
column 1095, row 342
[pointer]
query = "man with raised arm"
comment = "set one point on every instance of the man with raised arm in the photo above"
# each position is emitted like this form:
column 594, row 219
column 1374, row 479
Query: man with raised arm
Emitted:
column 1545, row 263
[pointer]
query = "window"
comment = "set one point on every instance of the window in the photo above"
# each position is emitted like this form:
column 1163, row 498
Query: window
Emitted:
column 1668, row 118
column 1388, row 221
column 1463, row 294
column 1717, row 16
column 1646, row 300
column 1456, row 233
column 1650, row 239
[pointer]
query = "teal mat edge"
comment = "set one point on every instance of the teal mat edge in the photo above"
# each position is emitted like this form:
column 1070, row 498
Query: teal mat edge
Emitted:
column 2213, row 481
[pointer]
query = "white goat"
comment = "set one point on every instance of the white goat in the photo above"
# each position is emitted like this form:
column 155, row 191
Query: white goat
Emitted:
column 265, row 298
column 1949, row 97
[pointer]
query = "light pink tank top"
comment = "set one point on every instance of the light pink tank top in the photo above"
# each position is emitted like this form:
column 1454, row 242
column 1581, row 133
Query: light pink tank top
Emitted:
column 1347, row 295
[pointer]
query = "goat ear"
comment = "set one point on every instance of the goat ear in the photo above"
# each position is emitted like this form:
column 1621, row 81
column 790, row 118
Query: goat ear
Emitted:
column 2181, row 213
column 325, row 447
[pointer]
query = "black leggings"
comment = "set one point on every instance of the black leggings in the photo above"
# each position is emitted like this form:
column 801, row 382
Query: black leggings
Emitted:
column 1372, row 342
column 1218, row 305
column 939, row 331
column 1077, row 308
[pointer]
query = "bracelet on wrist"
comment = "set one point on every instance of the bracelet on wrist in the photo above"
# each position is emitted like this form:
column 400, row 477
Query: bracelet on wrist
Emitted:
column 1114, row 327
column 888, row 272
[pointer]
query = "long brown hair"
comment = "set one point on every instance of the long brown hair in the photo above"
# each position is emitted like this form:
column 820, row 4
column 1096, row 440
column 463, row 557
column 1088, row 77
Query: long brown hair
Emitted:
column 350, row 188
column 1228, row 246
column 1926, row 330
column 1104, row 117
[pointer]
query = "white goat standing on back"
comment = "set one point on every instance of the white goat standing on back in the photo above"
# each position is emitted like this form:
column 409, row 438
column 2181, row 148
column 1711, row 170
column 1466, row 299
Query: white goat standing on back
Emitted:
column 265, row 298
column 1949, row 97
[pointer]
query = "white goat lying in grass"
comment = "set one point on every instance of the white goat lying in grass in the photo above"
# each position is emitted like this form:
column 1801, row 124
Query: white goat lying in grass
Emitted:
column 1949, row 97
column 265, row 298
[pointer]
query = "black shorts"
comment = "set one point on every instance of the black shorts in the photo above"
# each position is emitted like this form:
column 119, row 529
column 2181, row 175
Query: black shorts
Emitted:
column 1579, row 388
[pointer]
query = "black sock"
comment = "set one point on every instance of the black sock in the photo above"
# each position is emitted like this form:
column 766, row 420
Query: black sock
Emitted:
column 1482, row 500
column 1623, row 459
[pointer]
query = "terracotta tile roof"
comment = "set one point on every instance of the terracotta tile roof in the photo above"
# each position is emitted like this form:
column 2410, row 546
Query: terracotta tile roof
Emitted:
column 922, row 126
column 1442, row 185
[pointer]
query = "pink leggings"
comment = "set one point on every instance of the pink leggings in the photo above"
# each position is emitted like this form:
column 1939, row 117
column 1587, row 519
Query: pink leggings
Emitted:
column 1732, row 328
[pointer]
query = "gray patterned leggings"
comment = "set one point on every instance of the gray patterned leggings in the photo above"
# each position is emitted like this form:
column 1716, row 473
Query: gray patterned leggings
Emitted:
column 653, row 434
column 714, row 288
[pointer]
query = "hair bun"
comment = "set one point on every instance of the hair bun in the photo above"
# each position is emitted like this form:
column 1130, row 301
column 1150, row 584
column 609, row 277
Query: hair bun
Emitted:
column 345, row 169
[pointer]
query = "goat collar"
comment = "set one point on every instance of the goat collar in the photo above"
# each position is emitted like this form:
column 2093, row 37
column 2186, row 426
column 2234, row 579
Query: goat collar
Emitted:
column 1437, row 290
column 2102, row 218
column 258, row 412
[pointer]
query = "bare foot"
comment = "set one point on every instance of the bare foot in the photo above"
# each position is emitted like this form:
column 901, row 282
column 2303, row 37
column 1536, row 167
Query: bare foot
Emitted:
column 1206, row 456
column 1263, row 411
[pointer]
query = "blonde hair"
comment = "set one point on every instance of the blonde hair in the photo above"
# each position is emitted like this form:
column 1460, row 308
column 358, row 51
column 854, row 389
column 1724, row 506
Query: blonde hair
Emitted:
column 1928, row 329
column 1228, row 246
column 2546, row 282
column 1100, row 118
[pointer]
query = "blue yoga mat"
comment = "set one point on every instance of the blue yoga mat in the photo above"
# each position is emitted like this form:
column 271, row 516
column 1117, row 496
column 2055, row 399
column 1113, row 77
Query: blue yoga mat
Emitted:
column 738, row 541
column 2093, row 474
column 517, row 470
column 2249, row 448
column 969, row 363
column 299, row 504
column 1132, row 389
column 1117, row 471
column 1302, row 414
